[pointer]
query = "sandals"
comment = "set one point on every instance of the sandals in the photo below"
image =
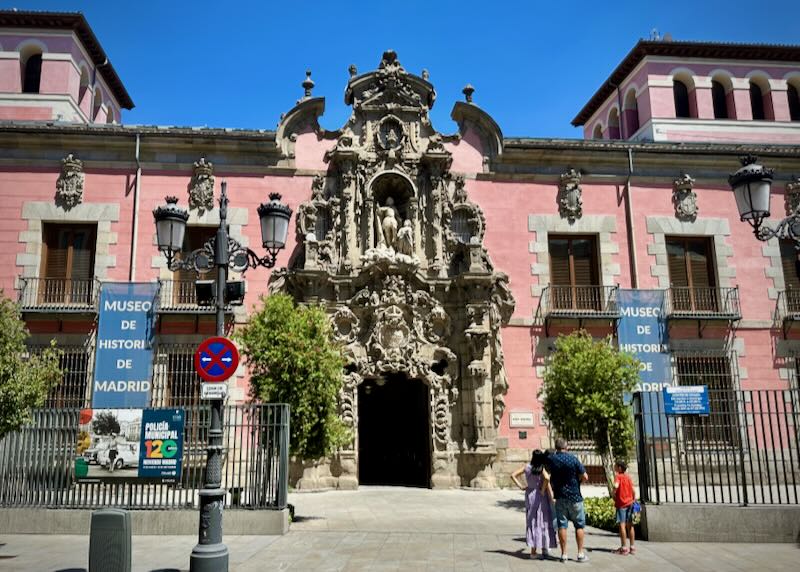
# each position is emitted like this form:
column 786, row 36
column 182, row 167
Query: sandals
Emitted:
column 622, row 551
column 632, row 550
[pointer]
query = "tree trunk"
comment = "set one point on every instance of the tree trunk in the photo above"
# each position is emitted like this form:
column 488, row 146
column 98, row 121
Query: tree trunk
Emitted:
column 608, row 465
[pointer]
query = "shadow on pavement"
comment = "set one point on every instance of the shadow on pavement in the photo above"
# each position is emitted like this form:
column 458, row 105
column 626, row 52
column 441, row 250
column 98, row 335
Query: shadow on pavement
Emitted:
column 72, row 570
column 521, row 554
column 514, row 504
column 306, row 518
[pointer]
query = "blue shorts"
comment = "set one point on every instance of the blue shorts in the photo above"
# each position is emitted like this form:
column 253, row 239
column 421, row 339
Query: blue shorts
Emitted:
column 568, row 511
column 625, row 514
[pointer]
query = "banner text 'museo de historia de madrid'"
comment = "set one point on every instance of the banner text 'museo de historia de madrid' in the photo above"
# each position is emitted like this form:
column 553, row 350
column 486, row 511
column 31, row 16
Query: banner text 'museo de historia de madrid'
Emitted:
column 124, row 354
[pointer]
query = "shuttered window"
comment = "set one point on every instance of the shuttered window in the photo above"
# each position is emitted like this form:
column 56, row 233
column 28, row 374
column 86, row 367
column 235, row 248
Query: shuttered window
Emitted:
column 691, row 274
column 183, row 291
column 67, row 263
column 791, row 275
column 573, row 272
column 721, row 426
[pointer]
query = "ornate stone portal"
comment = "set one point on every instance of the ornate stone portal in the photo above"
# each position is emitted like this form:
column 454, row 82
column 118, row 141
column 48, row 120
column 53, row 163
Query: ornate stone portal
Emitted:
column 391, row 243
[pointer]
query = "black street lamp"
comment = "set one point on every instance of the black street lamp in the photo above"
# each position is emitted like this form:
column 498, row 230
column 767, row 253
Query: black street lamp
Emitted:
column 222, row 251
column 751, row 186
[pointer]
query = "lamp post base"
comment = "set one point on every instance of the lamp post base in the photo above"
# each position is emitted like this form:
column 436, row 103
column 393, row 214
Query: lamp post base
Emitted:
column 209, row 558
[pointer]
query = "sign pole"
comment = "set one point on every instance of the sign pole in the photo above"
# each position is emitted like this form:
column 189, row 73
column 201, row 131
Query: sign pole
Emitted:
column 210, row 554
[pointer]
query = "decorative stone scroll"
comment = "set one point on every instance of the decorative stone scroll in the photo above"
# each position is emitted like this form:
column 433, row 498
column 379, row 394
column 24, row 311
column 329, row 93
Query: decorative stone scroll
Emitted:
column 792, row 196
column 570, row 205
column 69, row 185
column 201, row 187
column 684, row 199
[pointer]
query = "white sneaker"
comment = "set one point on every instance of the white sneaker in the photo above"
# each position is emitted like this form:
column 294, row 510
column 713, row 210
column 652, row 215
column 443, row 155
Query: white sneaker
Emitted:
column 582, row 558
column 564, row 558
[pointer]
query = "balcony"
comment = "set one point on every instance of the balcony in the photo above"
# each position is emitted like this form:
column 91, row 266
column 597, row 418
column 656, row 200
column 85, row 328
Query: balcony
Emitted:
column 180, row 297
column 62, row 295
column 711, row 303
column 581, row 303
column 787, row 310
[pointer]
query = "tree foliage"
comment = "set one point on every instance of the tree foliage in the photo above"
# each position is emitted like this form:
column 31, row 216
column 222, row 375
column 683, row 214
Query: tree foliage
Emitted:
column 25, row 379
column 105, row 423
column 584, row 388
column 293, row 359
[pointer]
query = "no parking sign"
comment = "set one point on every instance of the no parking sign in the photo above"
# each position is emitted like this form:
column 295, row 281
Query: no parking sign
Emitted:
column 216, row 359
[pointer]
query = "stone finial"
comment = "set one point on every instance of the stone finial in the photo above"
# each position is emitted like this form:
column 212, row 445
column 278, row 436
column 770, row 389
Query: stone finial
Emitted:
column 353, row 70
column 308, row 85
column 684, row 199
column 426, row 75
column 69, row 186
column 792, row 196
column 570, row 203
column 468, row 91
column 201, row 186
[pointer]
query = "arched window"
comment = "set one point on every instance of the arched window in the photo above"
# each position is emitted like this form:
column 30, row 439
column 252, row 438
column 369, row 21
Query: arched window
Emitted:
column 794, row 102
column 720, row 100
column 613, row 124
column 598, row 132
column 32, row 73
column 681, row 94
column 84, row 85
column 757, row 102
column 98, row 103
column 631, row 113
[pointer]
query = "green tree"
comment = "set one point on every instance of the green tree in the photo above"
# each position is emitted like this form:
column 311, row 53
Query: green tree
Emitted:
column 293, row 359
column 25, row 379
column 105, row 423
column 583, row 390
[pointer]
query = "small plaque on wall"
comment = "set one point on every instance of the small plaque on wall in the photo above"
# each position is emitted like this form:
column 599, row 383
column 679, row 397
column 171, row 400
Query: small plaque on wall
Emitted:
column 521, row 419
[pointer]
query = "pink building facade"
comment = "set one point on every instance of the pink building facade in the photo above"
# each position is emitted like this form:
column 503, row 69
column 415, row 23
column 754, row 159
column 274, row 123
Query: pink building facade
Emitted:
column 509, row 242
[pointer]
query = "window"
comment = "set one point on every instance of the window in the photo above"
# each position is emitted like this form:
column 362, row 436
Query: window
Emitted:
column 84, row 85
column 631, row 113
column 681, row 94
column 182, row 388
column 794, row 103
column 32, row 74
column 70, row 392
column 68, row 264
column 183, row 292
column 691, row 274
column 721, row 427
column 598, row 132
column 613, row 124
column 757, row 102
column 791, row 275
column 574, row 273
column 720, row 100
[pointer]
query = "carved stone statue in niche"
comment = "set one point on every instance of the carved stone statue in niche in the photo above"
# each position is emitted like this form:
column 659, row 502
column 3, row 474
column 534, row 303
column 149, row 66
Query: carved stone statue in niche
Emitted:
column 69, row 186
column 404, row 244
column 389, row 217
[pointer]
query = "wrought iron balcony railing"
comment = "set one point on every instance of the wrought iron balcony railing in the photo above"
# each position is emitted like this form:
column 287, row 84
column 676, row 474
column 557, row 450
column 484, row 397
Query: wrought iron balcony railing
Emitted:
column 180, row 296
column 704, row 303
column 579, row 302
column 58, row 295
column 787, row 309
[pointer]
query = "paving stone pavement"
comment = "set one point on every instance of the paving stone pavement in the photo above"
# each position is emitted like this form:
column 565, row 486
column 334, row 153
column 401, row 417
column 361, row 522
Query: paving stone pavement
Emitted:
column 387, row 528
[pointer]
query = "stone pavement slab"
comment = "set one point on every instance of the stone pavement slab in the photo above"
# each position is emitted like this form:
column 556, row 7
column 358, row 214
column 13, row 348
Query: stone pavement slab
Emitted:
column 387, row 528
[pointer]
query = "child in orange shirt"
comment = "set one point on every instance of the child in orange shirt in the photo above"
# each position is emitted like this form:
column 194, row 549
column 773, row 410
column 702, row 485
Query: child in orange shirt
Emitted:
column 624, row 497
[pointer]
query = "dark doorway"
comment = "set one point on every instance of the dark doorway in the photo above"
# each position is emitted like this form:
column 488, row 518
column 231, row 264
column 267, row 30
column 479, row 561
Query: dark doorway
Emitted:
column 393, row 432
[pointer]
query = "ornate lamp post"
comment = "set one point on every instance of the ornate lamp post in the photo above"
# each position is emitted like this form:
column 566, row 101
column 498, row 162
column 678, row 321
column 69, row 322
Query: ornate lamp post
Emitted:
column 751, row 186
column 222, row 251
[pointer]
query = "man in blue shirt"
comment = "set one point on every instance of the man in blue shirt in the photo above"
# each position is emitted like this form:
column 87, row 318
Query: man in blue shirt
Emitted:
column 566, row 475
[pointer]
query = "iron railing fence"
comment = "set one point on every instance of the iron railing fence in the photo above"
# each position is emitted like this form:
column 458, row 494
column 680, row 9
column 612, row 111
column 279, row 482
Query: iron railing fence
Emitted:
column 37, row 463
column 690, row 459
column 572, row 301
column 180, row 296
column 58, row 295
column 787, row 309
column 711, row 302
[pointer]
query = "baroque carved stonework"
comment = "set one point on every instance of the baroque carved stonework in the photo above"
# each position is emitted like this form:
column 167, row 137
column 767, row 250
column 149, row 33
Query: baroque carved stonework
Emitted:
column 201, row 187
column 792, row 196
column 684, row 199
column 570, row 205
column 390, row 242
column 69, row 185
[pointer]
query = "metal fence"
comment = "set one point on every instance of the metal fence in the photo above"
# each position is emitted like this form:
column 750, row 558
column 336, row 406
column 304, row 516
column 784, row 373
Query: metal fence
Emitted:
column 707, row 302
column 746, row 451
column 37, row 463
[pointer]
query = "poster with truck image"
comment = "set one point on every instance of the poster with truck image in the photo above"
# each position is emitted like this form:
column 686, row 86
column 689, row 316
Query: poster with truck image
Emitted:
column 130, row 444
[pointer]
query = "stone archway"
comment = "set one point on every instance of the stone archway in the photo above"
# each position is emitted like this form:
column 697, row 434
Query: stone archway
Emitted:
column 399, row 260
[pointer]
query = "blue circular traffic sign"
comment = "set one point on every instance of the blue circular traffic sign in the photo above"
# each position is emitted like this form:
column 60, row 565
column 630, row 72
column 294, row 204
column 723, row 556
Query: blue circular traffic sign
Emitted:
column 216, row 359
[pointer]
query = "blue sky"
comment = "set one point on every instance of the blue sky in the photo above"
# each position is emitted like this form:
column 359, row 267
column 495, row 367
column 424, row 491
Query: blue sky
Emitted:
column 533, row 64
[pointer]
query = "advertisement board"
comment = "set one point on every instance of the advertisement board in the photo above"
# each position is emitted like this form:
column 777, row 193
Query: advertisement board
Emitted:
column 124, row 354
column 130, row 444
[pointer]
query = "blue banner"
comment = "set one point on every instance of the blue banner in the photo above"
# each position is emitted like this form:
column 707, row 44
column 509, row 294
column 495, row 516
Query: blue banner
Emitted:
column 161, row 451
column 643, row 333
column 124, row 356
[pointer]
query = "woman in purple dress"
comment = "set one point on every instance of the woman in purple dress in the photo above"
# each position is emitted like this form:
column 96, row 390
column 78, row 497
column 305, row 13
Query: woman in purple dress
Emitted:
column 539, row 533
